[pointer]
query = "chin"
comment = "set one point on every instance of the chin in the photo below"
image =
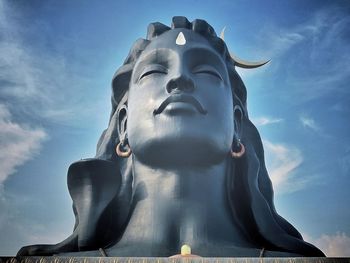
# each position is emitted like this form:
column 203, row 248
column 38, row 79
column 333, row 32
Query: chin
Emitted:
column 179, row 148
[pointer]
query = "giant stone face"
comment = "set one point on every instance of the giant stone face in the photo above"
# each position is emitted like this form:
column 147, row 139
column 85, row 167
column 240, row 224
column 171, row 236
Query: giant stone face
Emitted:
column 180, row 101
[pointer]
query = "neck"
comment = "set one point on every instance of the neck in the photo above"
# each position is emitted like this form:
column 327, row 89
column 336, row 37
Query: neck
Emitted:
column 179, row 206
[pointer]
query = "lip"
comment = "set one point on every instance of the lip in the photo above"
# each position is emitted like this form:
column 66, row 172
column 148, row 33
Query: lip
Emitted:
column 180, row 108
column 180, row 102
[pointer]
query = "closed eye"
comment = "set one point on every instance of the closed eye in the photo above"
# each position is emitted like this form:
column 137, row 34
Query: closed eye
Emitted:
column 153, row 69
column 206, row 69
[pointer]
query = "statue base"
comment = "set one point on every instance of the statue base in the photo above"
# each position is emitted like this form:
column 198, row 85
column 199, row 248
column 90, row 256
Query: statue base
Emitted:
column 167, row 260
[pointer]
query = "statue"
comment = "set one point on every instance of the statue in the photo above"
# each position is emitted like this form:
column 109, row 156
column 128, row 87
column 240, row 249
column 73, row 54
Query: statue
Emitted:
column 180, row 162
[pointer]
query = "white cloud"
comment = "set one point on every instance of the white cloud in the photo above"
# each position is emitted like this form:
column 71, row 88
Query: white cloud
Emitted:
column 327, row 55
column 262, row 121
column 309, row 123
column 282, row 161
column 315, row 29
column 281, row 41
column 40, row 82
column 337, row 245
column 18, row 143
column 314, row 55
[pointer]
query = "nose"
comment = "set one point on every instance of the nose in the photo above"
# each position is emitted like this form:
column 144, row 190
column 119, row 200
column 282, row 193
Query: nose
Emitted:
column 180, row 83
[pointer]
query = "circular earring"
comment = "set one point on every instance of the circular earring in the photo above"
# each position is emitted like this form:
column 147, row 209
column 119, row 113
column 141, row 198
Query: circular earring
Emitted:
column 241, row 150
column 119, row 150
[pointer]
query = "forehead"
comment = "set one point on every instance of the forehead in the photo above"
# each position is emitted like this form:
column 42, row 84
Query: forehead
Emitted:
column 179, row 41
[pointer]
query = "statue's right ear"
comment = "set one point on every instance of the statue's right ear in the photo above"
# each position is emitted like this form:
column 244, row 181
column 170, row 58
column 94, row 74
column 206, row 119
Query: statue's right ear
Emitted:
column 238, row 115
column 122, row 115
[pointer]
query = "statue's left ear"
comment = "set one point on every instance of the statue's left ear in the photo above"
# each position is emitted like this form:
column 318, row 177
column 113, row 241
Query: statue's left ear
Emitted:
column 122, row 116
column 238, row 115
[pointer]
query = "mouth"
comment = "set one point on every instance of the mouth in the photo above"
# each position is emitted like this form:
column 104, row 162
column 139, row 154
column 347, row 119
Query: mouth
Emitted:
column 180, row 99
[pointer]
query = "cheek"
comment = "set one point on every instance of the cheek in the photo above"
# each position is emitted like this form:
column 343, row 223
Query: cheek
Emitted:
column 224, row 116
column 219, row 103
column 141, row 104
column 139, row 113
column 225, row 124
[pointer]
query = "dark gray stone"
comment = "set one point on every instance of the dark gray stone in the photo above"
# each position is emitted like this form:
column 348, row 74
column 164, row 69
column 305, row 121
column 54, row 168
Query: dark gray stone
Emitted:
column 179, row 105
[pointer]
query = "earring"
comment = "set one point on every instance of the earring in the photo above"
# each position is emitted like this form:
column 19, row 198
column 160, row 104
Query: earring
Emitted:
column 240, row 150
column 120, row 152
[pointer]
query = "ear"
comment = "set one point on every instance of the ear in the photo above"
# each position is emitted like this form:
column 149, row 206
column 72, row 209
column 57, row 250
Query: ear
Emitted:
column 238, row 115
column 122, row 116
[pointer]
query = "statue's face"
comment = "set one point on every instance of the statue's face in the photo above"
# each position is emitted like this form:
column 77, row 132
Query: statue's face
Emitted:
column 180, row 106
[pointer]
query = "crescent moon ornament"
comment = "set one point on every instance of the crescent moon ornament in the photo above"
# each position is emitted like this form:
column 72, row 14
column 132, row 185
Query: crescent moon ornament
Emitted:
column 240, row 62
column 222, row 34
column 247, row 64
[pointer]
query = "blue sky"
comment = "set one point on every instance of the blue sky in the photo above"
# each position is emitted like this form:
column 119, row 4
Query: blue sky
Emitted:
column 57, row 60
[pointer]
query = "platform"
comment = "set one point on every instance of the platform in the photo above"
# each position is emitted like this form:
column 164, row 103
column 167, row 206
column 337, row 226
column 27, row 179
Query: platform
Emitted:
column 166, row 260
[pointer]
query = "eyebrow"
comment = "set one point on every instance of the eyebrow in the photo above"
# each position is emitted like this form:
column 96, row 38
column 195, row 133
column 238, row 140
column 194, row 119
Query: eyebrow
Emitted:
column 209, row 51
column 155, row 53
column 152, row 57
column 202, row 55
